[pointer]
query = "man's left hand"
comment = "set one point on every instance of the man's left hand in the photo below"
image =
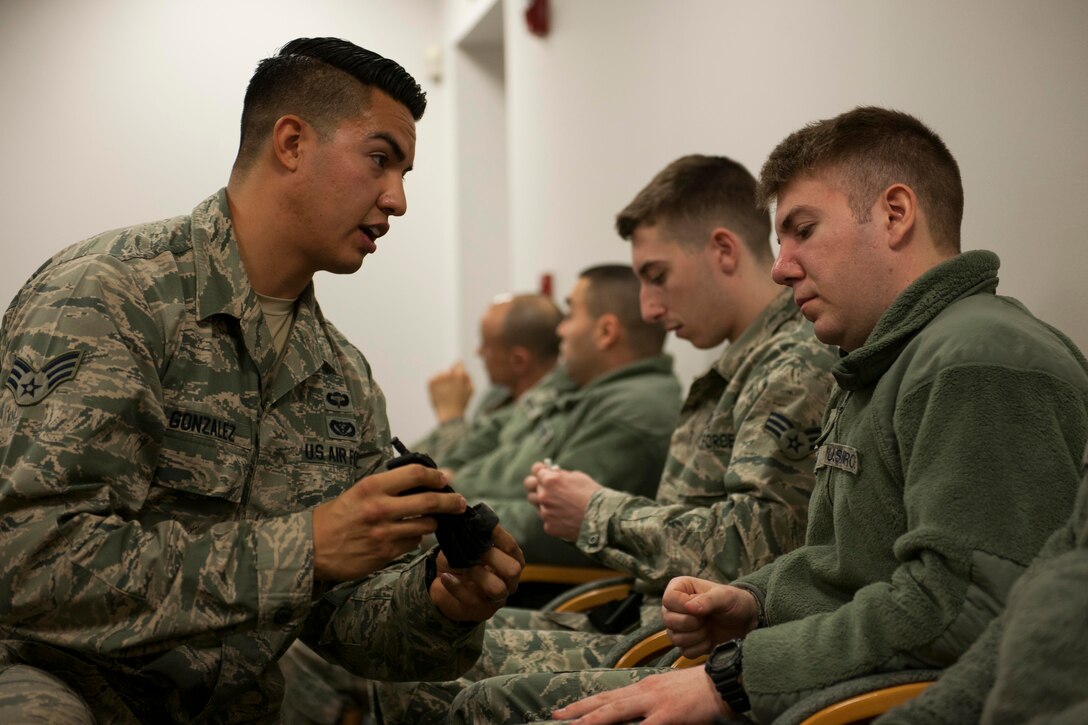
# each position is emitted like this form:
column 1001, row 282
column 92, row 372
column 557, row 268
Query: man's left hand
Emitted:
column 685, row 695
column 476, row 593
column 561, row 498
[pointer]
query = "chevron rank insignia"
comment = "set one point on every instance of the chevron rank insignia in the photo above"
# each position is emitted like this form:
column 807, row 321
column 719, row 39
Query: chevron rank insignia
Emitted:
column 795, row 442
column 30, row 386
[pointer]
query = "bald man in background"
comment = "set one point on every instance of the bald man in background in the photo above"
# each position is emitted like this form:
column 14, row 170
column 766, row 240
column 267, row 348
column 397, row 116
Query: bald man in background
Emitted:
column 518, row 346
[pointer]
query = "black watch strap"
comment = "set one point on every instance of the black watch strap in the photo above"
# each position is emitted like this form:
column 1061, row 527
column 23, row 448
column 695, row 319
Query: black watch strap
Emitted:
column 723, row 666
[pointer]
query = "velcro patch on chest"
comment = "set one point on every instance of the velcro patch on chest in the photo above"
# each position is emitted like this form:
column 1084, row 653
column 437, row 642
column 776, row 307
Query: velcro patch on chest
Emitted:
column 201, row 424
column 336, row 401
column 29, row 386
column 710, row 441
column 838, row 456
column 343, row 429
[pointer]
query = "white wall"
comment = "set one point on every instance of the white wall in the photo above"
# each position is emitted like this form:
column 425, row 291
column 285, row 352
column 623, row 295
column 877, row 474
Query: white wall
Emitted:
column 621, row 87
column 477, row 87
column 123, row 111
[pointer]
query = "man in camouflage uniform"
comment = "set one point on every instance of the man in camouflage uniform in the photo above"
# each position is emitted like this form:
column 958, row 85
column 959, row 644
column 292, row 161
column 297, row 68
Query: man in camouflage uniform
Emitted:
column 609, row 409
column 734, row 492
column 518, row 346
column 189, row 451
column 951, row 449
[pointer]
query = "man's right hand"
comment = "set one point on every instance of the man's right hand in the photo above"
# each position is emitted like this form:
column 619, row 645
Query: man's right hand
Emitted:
column 450, row 391
column 369, row 525
column 700, row 614
column 561, row 498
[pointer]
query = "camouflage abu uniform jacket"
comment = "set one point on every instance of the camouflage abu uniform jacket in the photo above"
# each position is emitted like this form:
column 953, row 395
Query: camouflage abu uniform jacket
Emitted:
column 156, row 476
column 734, row 492
column 493, row 411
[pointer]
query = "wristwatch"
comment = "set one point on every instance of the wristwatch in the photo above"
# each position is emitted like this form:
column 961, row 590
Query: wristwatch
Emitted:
column 723, row 668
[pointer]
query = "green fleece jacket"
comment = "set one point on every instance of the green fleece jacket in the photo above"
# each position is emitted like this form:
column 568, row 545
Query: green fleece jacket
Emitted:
column 1030, row 662
column 951, row 450
column 616, row 428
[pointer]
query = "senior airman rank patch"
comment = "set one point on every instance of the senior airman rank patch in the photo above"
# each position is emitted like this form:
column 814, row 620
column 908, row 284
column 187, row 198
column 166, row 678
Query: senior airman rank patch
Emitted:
column 794, row 441
column 30, row 386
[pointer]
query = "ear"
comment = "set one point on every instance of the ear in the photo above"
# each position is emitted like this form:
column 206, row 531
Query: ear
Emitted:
column 287, row 135
column 607, row 331
column 520, row 359
column 725, row 246
column 898, row 209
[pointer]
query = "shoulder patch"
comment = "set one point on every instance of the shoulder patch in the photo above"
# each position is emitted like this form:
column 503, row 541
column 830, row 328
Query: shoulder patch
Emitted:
column 30, row 386
column 795, row 442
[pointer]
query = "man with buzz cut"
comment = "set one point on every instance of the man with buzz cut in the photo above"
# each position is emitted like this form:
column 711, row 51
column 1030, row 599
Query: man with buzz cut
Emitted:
column 735, row 489
column 951, row 449
column 191, row 455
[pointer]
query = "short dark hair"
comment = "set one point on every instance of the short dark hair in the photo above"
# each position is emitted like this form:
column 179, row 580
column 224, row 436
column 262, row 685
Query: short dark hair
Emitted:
column 614, row 288
column 868, row 149
column 695, row 194
column 531, row 323
column 324, row 81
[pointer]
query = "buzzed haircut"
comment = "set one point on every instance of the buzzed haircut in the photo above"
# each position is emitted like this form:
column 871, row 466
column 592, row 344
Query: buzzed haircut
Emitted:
column 614, row 288
column 323, row 81
column 867, row 150
column 530, row 322
column 695, row 194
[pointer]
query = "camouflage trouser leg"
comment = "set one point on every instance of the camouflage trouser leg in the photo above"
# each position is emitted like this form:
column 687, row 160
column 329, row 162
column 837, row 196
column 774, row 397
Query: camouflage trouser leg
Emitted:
column 515, row 641
column 317, row 692
column 531, row 698
column 30, row 695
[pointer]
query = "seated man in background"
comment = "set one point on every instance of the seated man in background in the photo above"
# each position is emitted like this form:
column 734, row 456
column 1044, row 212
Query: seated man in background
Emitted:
column 1030, row 663
column 167, row 524
column 735, row 489
column 609, row 411
column 950, row 451
column 518, row 346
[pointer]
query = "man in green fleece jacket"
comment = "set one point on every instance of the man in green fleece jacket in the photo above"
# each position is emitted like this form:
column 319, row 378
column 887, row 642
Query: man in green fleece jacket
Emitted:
column 608, row 411
column 1030, row 662
column 950, row 448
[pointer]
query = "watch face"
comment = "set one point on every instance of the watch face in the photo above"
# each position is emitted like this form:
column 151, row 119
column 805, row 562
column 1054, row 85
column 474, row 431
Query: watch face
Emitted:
column 724, row 655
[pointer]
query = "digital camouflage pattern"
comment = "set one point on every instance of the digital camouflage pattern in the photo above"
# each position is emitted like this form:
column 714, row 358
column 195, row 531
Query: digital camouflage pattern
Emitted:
column 523, row 698
column 733, row 495
column 154, row 499
column 320, row 692
column 484, row 438
column 494, row 410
